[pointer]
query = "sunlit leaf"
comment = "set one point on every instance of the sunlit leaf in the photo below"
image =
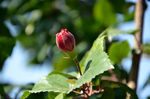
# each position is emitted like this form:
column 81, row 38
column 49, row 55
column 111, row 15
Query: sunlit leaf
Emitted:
column 98, row 63
column 55, row 82
column 99, row 44
column 112, row 32
column 68, row 75
column 96, row 60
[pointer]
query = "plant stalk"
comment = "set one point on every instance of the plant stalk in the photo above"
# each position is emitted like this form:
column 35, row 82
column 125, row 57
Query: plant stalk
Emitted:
column 78, row 66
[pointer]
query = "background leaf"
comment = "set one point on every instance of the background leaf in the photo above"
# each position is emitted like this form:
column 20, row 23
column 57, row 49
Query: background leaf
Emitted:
column 104, row 12
column 122, row 86
column 109, row 93
column 118, row 51
column 146, row 48
column 60, row 59
column 6, row 47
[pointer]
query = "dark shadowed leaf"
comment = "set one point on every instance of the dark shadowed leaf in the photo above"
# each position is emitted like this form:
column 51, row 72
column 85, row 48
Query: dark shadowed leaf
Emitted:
column 6, row 47
column 108, row 94
column 60, row 96
column 123, row 87
column 52, row 95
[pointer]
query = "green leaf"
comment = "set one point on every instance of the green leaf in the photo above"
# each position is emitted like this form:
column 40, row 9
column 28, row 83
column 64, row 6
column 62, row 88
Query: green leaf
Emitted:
column 52, row 95
column 112, row 32
column 146, row 48
column 5, row 51
column 108, row 94
column 123, row 87
column 118, row 51
column 25, row 94
column 29, row 95
column 99, row 62
column 71, row 81
column 68, row 75
column 73, row 4
column 121, row 4
column 97, row 45
column 60, row 96
column 54, row 82
column 58, row 82
column 55, row 95
column 96, row 60
column 103, row 12
column 4, row 31
column 2, row 91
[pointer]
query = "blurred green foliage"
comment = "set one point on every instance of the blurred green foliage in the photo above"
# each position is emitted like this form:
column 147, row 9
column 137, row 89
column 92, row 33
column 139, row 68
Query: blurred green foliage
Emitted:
column 36, row 23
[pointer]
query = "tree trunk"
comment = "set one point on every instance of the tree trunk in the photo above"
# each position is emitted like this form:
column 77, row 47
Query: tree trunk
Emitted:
column 139, row 21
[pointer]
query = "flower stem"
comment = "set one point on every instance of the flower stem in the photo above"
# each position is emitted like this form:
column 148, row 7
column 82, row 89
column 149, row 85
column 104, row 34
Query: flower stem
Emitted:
column 78, row 66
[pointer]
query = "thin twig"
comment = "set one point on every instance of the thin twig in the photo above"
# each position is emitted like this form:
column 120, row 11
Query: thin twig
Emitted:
column 77, row 92
column 90, row 89
column 84, row 87
column 78, row 66
column 84, row 91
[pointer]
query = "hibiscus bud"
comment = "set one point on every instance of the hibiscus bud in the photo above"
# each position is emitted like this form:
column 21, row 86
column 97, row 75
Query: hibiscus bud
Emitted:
column 65, row 40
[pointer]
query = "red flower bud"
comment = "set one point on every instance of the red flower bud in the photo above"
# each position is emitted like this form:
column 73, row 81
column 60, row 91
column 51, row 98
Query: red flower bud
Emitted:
column 65, row 40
